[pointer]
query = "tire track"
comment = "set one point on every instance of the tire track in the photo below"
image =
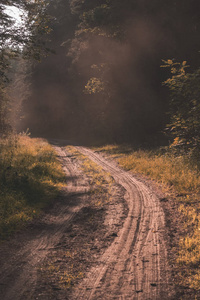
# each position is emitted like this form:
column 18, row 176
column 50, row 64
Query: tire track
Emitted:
column 135, row 265
column 19, row 262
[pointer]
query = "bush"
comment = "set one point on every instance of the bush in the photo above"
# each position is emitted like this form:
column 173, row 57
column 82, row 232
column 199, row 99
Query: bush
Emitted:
column 184, row 112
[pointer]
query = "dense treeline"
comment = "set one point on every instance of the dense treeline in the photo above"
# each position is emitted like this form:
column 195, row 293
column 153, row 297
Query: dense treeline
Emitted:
column 19, row 41
column 104, row 80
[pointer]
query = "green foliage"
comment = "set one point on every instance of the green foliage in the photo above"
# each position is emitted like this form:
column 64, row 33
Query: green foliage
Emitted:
column 96, row 16
column 130, row 37
column 37, row 27
column 185, row 106
column 25, row 39
column 103, row 18
column 94, row 85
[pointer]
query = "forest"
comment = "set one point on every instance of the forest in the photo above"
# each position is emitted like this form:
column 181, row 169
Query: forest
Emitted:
column 118, row 79
column 93, row 70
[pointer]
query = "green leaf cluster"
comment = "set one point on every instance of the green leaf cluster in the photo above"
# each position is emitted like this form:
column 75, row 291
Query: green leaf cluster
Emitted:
column 184, row 123
column 25, row 40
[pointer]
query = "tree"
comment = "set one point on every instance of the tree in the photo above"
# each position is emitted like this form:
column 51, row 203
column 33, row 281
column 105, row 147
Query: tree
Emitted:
column 184, row 124
column 129, row 38
column 25, row 40
column 110, row 83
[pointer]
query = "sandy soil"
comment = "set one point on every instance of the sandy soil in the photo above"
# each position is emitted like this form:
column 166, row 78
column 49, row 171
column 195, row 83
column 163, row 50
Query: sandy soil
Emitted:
column 135, row 266
column 125, row 248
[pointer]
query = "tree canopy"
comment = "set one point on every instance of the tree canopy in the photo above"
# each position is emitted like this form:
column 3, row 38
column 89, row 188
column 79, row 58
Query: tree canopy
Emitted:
column 104, row 80
column 25, row 39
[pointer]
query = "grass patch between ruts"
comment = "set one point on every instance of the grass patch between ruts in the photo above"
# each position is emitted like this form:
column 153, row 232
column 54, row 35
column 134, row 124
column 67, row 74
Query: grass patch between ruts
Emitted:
column 181, row 182
column 30, row 177
column 100, row 180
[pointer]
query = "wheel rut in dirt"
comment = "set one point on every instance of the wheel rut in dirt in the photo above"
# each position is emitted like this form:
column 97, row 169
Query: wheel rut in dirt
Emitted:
column 135, row 266
column 21, row 257
column 131, row 264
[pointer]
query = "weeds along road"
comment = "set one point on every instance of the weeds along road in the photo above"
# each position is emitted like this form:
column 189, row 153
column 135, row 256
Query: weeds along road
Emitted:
column 22, row 256
column 135, row 266
column 132, row 266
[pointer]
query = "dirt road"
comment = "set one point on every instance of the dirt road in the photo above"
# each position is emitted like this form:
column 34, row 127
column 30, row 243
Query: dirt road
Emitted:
column 22, row 255
column 133, row 265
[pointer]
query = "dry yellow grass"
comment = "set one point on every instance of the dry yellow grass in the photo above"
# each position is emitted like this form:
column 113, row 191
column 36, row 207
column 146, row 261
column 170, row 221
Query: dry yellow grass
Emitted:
column 30, row 177
column 166, row 169
column 100, row 181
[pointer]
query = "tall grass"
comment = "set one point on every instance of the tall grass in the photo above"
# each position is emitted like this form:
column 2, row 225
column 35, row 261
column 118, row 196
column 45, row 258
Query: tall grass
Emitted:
column 180, row 180
column 30, row 176
column 170, row 170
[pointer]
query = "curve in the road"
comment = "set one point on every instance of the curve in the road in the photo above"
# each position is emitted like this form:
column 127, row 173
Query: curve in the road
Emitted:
column 135, row 266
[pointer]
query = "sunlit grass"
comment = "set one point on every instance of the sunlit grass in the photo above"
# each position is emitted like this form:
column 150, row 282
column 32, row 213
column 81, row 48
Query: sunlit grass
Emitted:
column 100, row 180
column 30, row 177
column 171, row 171
column 180, row 181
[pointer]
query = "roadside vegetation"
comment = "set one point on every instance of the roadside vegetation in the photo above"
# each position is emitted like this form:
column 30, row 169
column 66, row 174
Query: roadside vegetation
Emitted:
column 30, row 177
column 180, row 181
column 100, row 180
